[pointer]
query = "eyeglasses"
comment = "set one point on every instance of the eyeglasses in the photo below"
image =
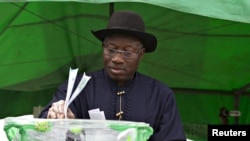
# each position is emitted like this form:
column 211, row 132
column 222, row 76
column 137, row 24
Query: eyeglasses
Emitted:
column 126, row 54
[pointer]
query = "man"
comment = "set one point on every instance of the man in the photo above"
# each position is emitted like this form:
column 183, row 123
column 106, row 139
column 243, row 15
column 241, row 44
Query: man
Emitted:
column 118, row 89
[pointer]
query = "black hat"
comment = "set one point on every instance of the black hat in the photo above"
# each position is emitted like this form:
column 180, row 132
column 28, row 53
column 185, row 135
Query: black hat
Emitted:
column 129, row 23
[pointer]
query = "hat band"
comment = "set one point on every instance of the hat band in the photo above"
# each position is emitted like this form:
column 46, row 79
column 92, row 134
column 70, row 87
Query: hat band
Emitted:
column 125, row 28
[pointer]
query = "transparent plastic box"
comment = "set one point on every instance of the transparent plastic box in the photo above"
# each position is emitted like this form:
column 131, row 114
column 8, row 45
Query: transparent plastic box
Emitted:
column 21, row 129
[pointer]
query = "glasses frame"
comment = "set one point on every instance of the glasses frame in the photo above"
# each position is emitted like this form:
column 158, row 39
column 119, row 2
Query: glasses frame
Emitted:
column 125, row 54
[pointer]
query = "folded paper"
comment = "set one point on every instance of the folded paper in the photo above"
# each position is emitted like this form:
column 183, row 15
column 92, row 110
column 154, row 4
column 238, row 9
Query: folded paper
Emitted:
column 70, row 96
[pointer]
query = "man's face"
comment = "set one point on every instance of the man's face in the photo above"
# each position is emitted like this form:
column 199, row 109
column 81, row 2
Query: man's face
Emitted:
column 122, row 64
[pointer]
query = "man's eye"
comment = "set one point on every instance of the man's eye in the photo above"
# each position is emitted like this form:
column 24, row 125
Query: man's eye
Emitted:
column 127, row 53
column 111, row 50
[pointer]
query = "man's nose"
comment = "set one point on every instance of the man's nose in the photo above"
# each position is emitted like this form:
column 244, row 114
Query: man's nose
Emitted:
column 118, row 56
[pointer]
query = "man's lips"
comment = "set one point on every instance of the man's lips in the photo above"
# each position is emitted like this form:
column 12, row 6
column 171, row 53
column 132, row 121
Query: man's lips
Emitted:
column 116, row 70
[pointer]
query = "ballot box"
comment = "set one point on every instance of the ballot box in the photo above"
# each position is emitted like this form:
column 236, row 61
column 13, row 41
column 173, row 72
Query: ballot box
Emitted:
column 35, row 129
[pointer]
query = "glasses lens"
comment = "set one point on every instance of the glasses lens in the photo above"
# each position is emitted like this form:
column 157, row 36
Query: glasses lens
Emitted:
column 110, row 51
column 128, row 54
column 125, row 54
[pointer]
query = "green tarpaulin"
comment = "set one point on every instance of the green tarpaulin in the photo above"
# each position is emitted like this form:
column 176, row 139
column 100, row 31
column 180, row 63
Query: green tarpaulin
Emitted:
column 203, row 52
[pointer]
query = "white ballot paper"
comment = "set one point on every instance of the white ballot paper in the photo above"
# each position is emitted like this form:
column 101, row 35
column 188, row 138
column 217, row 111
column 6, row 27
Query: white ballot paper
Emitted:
column 70, row 96
column 96, row 114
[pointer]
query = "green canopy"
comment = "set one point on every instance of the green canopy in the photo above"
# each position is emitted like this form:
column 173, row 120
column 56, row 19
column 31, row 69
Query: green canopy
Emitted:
column 202, row 51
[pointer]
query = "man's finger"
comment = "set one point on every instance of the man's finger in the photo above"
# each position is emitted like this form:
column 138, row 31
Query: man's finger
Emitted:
column 51, row 114
column 57, row 110
column 70, row 114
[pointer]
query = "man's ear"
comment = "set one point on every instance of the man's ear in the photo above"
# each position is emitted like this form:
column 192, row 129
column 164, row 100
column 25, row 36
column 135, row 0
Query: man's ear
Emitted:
column 142, row 53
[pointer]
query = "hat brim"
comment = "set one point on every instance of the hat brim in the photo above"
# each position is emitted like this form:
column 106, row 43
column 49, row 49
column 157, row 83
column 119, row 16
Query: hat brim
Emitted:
column 149, row 41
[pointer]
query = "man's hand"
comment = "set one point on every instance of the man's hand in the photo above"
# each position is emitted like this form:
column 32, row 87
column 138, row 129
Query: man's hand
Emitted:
column 56, row 111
